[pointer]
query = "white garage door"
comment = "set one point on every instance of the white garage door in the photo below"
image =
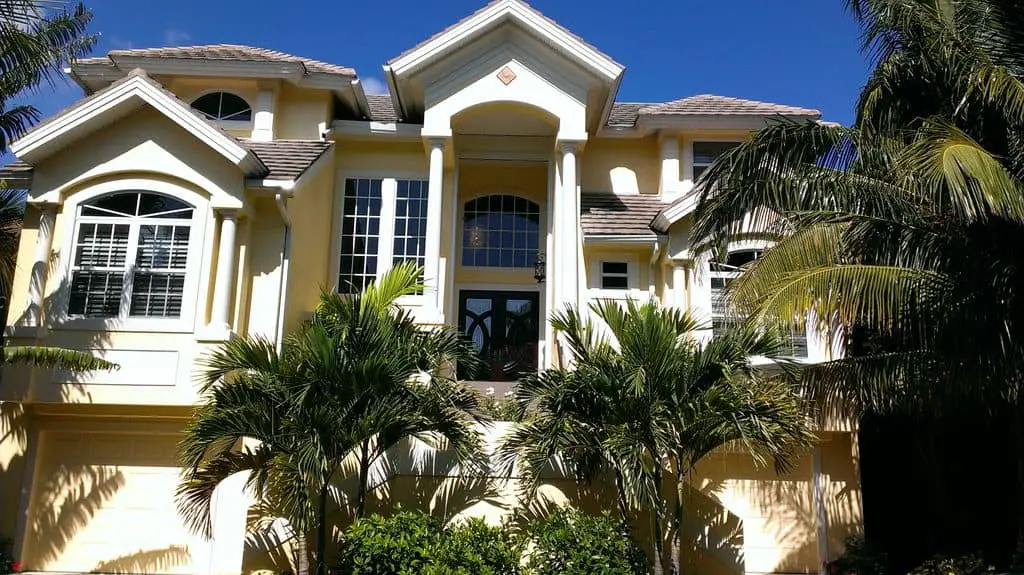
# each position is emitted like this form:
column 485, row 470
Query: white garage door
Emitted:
column 105, row 502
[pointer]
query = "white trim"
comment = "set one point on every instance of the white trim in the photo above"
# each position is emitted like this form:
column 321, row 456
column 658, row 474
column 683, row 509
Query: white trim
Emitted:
column 35, row 145
column 595, row 275
column 186, row 322
column 383, row 130
column 494, row 15
column 617, row 240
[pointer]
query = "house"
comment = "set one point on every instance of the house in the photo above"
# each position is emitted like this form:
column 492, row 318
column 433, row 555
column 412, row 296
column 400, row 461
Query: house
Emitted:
column 198, row 193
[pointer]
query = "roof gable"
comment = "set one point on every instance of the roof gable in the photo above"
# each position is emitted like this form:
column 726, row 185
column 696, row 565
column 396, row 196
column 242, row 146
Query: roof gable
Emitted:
column 119, row 99
column 493, row 15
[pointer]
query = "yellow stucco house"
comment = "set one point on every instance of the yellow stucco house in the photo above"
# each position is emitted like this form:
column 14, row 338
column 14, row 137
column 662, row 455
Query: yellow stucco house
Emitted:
column 198, row 193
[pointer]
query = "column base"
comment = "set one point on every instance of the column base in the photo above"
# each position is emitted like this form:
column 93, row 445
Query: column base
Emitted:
column 215, row 334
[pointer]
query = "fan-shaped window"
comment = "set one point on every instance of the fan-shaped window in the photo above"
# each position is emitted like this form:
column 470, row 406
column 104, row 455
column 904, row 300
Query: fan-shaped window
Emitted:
column 131, row 251
column 223, row 106
column 500, row 231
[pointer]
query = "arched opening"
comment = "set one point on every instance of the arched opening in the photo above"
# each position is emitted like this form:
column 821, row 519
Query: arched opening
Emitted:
column 223, row 106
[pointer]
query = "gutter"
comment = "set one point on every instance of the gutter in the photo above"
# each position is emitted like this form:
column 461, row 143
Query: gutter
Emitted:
column 286, row 257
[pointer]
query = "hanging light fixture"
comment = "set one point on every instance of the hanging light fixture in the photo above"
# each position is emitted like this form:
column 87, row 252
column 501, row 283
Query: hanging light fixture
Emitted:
column 540, row 268
column 477, row 237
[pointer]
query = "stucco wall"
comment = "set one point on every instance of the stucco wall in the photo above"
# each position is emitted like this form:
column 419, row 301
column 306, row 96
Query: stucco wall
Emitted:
column 620, row 165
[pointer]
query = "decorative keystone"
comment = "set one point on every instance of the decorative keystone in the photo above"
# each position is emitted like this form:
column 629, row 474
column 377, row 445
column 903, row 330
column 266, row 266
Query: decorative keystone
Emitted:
column 506, row 75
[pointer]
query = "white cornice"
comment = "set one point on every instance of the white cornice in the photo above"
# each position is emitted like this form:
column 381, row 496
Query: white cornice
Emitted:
column 494, row 15
column 134, row 91
column 354, row 129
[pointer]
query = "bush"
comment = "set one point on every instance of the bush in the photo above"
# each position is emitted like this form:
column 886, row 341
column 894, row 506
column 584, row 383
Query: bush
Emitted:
column 413, row 543
column 858, row 558
column 569, row 542
column 8, row 564
column 966, row 565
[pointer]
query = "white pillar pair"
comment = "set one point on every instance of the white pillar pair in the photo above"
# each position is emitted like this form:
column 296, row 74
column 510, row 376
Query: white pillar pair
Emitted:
column 566, row 232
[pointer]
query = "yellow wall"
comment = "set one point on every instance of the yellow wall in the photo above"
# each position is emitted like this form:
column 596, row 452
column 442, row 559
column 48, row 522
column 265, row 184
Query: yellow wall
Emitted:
column 620, row 165
column 299, row 112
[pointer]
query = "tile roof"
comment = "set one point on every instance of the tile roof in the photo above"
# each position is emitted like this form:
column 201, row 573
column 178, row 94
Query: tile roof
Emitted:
column 709, row 104
column 287, row 159
column 16, row 171
column 136, row 73
column 626, row 113
column 229, row 52
column 606, row 214
column 381, row 108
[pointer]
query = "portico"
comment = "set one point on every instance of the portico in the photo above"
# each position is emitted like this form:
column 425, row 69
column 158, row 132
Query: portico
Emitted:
column 508, row 101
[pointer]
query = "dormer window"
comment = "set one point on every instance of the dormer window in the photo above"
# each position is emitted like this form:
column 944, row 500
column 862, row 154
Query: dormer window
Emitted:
column 223, row 106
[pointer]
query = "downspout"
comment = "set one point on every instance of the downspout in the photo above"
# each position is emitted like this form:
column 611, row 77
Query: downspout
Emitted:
column 286, row 256
column 655, row 255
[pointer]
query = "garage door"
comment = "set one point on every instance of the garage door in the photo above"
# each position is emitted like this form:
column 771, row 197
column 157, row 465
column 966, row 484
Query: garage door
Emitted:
column 105, row 502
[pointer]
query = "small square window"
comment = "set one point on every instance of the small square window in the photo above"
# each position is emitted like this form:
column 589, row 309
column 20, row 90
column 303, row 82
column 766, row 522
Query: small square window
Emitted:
column 614, row 275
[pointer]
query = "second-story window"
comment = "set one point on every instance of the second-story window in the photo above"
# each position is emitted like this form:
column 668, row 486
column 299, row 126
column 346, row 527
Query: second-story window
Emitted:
column 383, row 223
column 614, row 275
column 130, row 256
column 722, row 273
column 705, row 154
column 223, row 106
column 500, row 231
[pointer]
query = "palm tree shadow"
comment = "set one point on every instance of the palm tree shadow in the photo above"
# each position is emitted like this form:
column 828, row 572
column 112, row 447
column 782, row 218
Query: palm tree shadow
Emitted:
column 152, row 561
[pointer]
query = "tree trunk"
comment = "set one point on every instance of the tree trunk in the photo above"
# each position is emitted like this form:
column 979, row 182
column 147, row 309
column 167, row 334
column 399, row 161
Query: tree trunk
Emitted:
column 674, row 567
column 321, row 532
column 1018, row 445
column 364, row 475
column 658, row 528
column 620, row 487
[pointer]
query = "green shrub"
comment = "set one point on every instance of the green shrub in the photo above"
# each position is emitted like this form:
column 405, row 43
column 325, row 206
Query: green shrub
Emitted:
column 8, row 564
column 858, row 558
column 413, row 543
column 965, row 565
column 402, row 544
column 569, row 542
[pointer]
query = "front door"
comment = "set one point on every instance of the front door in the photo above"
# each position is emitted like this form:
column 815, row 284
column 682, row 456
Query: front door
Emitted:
column 504, row 329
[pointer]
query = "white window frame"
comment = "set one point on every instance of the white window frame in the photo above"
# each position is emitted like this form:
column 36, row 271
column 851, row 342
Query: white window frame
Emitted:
column 628, row 275
column 461, row 232
column 386, row 231
column 186, row 321
column 234, row 125
column 691, row 164
column 633, row 289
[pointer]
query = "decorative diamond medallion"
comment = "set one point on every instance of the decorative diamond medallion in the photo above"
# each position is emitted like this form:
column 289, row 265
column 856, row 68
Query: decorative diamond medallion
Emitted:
column 506, row 75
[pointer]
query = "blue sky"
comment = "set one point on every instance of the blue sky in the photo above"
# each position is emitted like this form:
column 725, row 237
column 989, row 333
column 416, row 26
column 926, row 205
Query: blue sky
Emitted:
column 797, row 52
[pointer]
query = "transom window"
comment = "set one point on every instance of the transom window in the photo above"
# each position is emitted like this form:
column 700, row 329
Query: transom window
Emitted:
column 500, row 231
column 223, row 106
column 615, row 275
column 131, row 252
column 705, row 154
column 383, row 223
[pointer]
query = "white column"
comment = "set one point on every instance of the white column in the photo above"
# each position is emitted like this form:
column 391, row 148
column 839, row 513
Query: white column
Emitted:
column 224, row 288
column 679, row 286
column 40, row 264
column 432, row 249
column 566, row 231
column 700, row 294
column 263, row 116
column 669, row 181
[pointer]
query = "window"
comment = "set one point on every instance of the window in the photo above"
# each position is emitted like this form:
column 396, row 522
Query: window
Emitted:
column 131, row 253
column 722, row 274
column 615, row 275
column 705, row 154
column 223, row 106
column 500, row 231
column 383, row 222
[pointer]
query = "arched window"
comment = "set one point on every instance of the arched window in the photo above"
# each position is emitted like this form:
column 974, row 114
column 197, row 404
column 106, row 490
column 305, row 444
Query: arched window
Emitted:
column 500, row 231
column 223, row 106
column 131, row 252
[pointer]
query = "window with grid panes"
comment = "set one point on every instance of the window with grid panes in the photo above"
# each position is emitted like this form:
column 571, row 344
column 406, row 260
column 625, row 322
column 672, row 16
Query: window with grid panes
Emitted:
column 500, row 231
column 410, row 222
column 705, row 154
column 130, row 256
column 360, row 234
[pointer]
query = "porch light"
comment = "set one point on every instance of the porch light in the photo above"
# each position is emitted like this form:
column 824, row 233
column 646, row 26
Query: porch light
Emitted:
column 540, row 268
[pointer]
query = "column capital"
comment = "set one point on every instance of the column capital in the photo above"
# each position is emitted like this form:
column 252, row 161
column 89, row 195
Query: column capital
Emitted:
column 569, row 146
column 437, row 141
column 228, row 213
column 44, row 206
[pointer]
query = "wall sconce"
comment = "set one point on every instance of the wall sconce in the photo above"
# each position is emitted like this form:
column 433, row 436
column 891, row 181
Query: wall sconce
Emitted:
column 540, row 268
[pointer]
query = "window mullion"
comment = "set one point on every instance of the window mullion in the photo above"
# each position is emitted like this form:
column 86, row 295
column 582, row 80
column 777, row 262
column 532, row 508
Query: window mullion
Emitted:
column 386, row 243
column 129, row 271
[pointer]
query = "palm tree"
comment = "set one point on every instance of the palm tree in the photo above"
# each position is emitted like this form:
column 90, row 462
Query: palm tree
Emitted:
column 356, row 380
column 899, row 232
column 37, row 39
column 650, row 402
